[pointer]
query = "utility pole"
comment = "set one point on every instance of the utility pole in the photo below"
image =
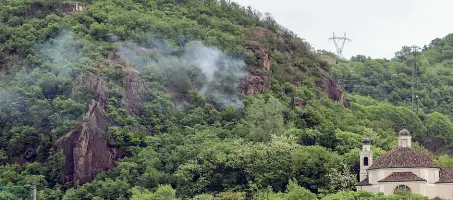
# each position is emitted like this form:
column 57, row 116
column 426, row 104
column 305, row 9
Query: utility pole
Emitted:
column 415, row 82
column 339, row 44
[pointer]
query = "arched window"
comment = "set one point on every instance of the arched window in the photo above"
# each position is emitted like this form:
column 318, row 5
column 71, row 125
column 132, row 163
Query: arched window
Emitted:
column 365, row 161
column 402, row 188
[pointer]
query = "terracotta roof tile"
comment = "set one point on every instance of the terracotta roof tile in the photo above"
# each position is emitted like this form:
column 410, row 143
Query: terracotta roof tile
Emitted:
column 403, row 157
column 401, row 176
column 363, row 183
column 446, row 175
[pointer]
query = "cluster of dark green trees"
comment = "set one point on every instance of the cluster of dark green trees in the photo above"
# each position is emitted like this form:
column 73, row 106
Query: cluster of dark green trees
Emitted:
column 192, row 147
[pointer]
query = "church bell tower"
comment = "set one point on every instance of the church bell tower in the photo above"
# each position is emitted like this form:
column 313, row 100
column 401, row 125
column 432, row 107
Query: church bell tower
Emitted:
column 366, row 158
column 404, row 138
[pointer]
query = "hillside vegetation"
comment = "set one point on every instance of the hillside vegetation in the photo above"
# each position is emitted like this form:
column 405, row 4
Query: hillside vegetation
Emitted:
column 195, row 99
column 393, row 81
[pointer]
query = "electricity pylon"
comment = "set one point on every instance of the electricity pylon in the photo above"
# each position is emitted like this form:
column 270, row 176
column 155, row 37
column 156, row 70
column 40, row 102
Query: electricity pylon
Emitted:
column 339, row 44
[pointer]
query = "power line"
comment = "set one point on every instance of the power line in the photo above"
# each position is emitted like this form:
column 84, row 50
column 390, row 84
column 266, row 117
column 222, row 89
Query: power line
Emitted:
column 414, row 87
column 339, row 44
column 442, row 85
column 437, row 93
column 415, row 81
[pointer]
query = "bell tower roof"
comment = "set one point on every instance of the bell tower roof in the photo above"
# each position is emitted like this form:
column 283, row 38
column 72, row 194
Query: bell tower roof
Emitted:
column 404, row 132
column 366, row 140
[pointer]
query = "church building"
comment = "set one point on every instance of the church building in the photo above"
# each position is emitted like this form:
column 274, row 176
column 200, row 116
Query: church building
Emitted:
column 404, row 168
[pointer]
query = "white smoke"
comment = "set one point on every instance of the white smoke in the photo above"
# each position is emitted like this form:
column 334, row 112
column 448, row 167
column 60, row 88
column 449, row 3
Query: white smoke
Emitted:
column 205, row 58
column 46, row 73
column 7, row 100
column 66, row 55
column 221, row 72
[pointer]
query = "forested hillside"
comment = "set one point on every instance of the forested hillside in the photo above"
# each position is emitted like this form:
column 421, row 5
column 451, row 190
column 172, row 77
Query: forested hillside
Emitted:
column 425, row 73
column 196, row 99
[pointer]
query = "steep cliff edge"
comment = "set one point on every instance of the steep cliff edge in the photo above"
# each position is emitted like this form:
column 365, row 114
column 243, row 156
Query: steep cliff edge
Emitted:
column 332, row 89
column 87, row 150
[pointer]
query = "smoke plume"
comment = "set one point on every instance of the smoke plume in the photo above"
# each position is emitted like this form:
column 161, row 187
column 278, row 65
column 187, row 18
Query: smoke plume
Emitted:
column 46, row 73
column 214, row 73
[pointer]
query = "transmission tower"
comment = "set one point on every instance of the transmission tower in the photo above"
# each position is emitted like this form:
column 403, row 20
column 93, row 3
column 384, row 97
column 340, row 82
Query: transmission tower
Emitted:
column 415, row 82
column 339, row 44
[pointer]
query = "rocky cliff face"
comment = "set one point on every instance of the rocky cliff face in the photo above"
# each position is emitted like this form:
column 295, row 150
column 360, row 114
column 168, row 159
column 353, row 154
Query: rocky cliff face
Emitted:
column 266, row 60
column 254, row 85
column 333, row 90
column 87, row 150
column 134, row 89
column 96, row 85
column 134, row 86
column 260, row 80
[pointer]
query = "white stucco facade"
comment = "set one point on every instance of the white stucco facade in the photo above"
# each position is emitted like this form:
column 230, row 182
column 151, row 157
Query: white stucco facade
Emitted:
column 404, row 168
column 430, row 188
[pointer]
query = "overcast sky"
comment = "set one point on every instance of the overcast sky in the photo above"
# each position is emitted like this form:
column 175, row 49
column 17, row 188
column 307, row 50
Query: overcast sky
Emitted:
column 377, row 28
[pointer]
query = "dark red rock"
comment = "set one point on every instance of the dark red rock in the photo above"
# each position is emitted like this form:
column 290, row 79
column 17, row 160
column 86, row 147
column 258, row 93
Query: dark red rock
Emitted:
column 254, row 85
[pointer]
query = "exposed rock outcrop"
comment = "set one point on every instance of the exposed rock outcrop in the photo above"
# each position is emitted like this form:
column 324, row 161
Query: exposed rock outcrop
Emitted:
column 96, row 85
column 87, row 150
column 134, row 88
column 332, row 89
column 266, row 61
column 259, row 81
column 73, row 7
column 254, row 85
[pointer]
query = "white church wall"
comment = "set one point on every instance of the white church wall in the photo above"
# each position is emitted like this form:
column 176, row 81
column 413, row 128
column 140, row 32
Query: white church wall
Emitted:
column 373, row 176
column 431, row 175
column 369, row 188
column 431, row 190
column 388, row 188
column 444, row 190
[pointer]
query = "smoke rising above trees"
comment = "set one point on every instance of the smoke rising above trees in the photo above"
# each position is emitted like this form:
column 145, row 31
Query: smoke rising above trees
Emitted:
column 192, row 66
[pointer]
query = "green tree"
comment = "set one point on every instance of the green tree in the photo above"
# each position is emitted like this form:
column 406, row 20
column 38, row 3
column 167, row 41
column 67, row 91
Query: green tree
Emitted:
column 163, row 192
column 264, row 118
column 312, row 164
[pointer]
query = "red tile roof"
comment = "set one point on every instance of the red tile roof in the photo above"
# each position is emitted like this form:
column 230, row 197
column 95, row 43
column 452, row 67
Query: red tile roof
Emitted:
column 401, row 177
column 446, row 175
column 363, row 183
column 403, row 157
